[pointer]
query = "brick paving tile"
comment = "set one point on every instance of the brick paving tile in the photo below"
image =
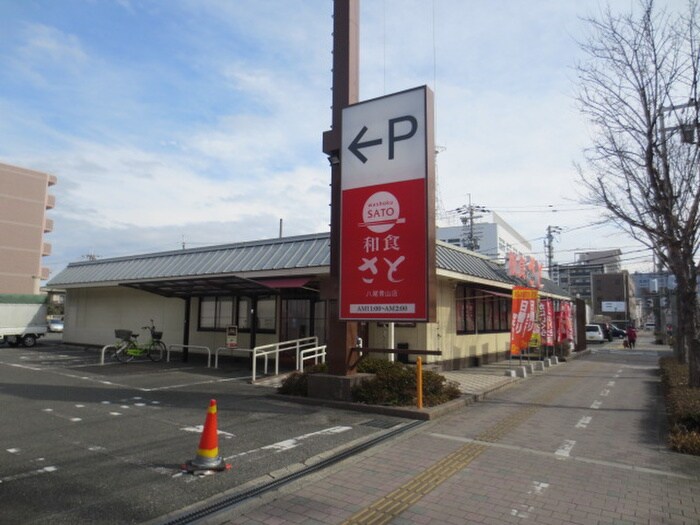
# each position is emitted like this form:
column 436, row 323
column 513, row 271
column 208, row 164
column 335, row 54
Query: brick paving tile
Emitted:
column 517, row 477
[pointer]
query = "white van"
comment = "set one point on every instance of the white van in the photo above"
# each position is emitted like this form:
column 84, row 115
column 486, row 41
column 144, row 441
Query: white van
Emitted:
column 594, row 334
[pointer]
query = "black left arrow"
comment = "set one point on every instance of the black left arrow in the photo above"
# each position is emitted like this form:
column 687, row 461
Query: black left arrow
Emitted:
column 355, row 145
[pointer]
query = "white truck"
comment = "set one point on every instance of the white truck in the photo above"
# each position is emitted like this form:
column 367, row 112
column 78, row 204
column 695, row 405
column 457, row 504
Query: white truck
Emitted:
column 22, row 319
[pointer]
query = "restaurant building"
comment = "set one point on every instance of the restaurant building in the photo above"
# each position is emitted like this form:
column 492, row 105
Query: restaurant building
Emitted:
column 272, row 291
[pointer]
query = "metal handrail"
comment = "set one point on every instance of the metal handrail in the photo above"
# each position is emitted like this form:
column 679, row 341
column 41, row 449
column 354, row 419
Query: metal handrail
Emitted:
column 182, row 347
column 297, row 345
column 236, row 349
column 313, row 353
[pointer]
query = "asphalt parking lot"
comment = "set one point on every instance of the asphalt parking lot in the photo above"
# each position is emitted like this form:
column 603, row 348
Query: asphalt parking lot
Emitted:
column 83, row 442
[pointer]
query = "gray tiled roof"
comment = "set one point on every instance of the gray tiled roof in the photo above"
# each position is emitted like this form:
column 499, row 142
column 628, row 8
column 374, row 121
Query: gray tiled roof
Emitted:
column 458, row 260
column 307, row 251
column 304, row 252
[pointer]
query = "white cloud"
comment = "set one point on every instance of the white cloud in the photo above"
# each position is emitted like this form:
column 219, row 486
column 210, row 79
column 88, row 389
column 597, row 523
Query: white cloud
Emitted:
column 210, row 124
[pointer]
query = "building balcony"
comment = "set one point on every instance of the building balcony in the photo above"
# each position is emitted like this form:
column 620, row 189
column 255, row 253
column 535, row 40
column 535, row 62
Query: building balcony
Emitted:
column 46, row 249
column 45, row 273
column 50, row 202
column 48, row 225
column 52, row 180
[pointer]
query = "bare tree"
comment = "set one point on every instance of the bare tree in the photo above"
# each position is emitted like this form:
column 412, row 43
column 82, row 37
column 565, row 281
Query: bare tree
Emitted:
column 639, row 89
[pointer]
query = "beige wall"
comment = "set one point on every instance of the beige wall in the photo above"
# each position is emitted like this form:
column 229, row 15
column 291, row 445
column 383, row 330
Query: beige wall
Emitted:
column 456, row 346
column 441, row 335
column 92, row 314
column 23, row 203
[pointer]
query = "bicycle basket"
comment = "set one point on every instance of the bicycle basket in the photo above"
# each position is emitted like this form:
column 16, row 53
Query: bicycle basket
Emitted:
column 157, row 335
column 124, row 335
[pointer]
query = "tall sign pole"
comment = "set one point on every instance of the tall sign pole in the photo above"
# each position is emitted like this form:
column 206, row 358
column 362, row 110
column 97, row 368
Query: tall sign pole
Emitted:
column 346, row 58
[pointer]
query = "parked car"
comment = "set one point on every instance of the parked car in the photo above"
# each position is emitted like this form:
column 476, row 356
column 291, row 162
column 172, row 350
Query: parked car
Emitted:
column 55, row 325
column 618, row 332
column 607, row 330
column 594, row 334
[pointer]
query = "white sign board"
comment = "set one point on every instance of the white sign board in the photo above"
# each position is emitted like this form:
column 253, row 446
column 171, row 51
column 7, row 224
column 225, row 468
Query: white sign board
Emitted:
column 613, row 306
column 384, row 140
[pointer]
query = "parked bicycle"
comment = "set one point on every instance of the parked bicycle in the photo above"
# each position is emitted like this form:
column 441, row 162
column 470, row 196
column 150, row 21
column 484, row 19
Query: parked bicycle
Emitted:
column 129, row 348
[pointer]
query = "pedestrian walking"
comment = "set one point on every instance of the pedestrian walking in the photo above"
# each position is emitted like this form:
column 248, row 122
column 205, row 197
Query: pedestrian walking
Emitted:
column 631, row 336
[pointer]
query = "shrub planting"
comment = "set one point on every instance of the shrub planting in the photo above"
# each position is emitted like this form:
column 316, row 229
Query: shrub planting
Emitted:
column 393, row 384
column 682, row 407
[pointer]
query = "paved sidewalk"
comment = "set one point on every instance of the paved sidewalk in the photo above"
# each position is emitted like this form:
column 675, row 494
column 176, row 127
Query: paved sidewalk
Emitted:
column 582, row 443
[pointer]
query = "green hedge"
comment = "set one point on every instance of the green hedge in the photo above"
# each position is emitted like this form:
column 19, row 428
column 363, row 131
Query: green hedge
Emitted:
column 682, row 407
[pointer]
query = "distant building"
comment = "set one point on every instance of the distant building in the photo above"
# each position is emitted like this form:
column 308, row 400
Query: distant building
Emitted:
column 655, row 296
column 576, row 278
column 24, row 199
column 613, row 296
column 493, row 239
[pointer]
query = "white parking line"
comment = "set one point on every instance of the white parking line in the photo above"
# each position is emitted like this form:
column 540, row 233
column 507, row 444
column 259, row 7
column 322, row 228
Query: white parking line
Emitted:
column 29, row 474
column 288, row 444
column 584, row 422
column 596, row 405
column 200, row 428
column 565, row 448
column 605, row 392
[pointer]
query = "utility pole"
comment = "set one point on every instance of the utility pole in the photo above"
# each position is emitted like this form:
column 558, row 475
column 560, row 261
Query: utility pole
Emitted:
column 549, row 246
column 470, row 240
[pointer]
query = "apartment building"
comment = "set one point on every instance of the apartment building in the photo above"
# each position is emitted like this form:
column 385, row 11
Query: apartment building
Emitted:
column 494, row 239
column 24, row 200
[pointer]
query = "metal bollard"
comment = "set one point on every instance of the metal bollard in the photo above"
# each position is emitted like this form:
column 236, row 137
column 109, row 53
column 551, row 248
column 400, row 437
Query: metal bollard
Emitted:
column 419, row 383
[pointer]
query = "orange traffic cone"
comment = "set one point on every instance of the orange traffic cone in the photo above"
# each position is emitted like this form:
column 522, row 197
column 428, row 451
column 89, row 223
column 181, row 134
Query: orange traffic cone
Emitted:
column 208, row 452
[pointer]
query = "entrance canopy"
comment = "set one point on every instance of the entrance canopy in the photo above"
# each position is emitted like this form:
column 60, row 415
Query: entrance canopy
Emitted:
column 209, row 286
column 201, row 286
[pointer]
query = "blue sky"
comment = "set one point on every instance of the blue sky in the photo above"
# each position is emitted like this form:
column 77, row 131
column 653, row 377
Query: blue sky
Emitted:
column 201, row 120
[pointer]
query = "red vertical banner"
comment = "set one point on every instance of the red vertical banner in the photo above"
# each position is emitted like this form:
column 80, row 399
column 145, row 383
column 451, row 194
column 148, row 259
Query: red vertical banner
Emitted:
column 549, row 322
column 561, row 323
column 565, row 328
column 568, row 321
column 524, row 317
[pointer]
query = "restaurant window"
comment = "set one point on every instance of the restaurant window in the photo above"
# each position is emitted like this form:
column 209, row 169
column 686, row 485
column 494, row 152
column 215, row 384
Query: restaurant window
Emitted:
column 479, row 311
column 215, row 313
column 267, row 314
column 244, row 313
